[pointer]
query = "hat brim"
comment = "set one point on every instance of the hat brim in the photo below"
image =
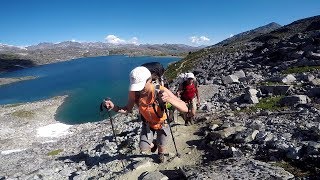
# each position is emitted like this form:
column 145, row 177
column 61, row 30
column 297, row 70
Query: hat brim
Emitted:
column 137, row 86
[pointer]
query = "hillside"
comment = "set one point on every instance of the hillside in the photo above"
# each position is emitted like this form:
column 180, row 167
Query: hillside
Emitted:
column 267, row 97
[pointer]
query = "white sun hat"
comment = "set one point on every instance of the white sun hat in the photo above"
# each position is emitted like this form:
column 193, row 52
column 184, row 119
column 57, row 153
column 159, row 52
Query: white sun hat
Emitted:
column 138, row 78
column 190, row 75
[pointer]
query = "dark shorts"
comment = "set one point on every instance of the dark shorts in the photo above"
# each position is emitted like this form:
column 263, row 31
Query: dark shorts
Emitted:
column 148, row 135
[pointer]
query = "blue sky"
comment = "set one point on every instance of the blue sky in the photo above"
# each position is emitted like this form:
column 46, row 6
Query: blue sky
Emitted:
column 192, row 22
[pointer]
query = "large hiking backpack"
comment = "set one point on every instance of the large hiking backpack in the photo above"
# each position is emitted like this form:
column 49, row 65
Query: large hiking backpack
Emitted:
column 156, row 69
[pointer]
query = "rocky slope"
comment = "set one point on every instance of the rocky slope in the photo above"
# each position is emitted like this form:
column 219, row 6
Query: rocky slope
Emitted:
column 267, row 99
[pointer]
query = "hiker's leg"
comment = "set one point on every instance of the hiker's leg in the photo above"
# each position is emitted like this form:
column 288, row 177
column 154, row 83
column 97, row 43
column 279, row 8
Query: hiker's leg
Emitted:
column 194, row 107
column 162, row 138
column 188, row 114
column 146, row 138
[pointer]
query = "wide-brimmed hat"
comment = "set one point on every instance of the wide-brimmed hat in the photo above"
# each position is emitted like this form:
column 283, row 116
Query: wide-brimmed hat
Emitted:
column 138, row 78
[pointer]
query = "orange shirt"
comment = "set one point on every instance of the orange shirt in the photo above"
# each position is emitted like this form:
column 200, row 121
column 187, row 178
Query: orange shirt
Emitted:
column 147, row 111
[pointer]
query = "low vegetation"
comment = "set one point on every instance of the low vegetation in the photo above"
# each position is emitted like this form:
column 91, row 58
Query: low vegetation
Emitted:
column 302, row 69
column 23, row 114
column 269, row 103
column 295, row 170
column 55, row 152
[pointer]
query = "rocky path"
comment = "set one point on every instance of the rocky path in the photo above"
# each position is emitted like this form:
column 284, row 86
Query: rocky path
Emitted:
column 186, row 142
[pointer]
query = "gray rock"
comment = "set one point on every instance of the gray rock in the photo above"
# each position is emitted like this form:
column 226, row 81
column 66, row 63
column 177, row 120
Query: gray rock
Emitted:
column 314, row 92
column 142, row 164
column 156, row 175
column 240, row 74
column 288, row 79
column 251, row 96
column 295, row 99
column 313, row 148
column 263, row 137
column 230, row 79
column 294, row 153
column 276, row 89
column 315, row 82
column 236, row 168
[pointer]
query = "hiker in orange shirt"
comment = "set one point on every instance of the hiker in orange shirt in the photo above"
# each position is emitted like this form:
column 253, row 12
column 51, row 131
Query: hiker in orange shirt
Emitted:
column 142, row 92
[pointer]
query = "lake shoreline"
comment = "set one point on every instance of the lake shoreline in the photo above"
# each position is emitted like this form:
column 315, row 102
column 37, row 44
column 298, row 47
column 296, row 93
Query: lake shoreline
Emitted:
column 5, row 81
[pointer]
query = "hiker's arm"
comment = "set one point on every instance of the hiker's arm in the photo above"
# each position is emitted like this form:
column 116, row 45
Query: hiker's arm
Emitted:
column 197, row 94
column 179, row 90
column 168, row 96
column 124, row 109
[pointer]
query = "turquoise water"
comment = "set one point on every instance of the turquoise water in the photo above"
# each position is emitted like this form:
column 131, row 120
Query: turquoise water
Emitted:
column 87, row 81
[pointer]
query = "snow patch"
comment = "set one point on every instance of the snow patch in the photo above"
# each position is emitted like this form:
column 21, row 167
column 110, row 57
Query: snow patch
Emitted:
column 11, row 151
column 53, row 130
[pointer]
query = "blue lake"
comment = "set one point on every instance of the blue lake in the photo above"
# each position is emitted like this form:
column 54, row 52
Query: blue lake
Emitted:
column 86, row 81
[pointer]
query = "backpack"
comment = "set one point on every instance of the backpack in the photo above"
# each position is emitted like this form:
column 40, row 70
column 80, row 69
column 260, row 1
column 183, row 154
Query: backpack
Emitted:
column 155, row 124
column 157, row 71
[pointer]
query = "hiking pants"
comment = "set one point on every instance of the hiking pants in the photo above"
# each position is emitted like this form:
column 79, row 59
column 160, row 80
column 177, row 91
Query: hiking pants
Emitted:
column 147, row 135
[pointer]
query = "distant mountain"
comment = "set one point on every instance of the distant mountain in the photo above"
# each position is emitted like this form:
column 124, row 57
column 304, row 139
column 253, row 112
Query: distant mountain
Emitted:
column 248, row 35
column 46, row 52
column 299, row 26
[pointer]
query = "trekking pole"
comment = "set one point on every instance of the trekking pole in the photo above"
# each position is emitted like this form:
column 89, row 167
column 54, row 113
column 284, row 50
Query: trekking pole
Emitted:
column 162, row 106
column 114, row 132
column 174, row 142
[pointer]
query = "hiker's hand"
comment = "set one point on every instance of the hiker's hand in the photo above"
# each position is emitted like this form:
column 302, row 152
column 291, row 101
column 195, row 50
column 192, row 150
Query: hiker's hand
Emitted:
column 108, row 104
column 164, row 96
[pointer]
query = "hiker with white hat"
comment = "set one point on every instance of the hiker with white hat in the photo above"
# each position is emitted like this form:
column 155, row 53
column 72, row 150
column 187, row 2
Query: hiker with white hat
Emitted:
column 142, row 92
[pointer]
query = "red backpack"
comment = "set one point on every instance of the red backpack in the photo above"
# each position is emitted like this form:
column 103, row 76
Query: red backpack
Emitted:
column 188, row 91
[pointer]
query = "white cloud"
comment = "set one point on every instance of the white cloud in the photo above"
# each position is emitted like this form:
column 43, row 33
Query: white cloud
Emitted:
column 134, row 41
column 199, row 40
column 114, row 39
column 231, row 35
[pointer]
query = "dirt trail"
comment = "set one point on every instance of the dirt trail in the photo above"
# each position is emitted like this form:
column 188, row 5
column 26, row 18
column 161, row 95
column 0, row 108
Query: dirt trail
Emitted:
column 186, row 142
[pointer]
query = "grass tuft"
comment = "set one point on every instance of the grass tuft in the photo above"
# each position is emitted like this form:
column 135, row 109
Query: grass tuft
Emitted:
column 55, row 152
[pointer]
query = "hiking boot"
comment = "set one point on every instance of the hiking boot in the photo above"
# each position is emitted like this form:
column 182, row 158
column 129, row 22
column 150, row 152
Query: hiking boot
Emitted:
column 155, row 147
column 161, row 157
column 188, row 121
column 191, row 121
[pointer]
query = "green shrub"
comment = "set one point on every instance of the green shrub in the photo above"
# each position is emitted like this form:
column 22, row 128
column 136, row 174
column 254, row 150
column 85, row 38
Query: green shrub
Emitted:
column 55, row 152
column 270, row 103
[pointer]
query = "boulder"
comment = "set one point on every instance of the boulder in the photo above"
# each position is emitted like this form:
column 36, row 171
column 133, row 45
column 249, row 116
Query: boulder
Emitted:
column 288, row 79
column 276, row 89
column 315, row 82
column 251, row 96
column 230, row 79
column 295, row 99
column 312, row 55
column 156, row 175
column 314, row 92
column 240, row 74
